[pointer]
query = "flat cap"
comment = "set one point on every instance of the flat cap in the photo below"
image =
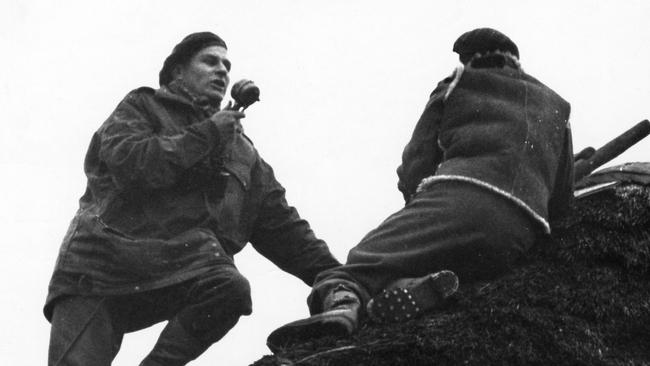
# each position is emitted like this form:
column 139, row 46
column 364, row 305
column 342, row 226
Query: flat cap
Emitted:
column 184, row 51
column 481, row 41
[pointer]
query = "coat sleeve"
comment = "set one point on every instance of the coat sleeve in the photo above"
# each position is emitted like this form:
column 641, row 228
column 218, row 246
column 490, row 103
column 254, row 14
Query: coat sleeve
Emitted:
column 562, row 194
column 422, row 154
column 137, row 155
column 287, row 240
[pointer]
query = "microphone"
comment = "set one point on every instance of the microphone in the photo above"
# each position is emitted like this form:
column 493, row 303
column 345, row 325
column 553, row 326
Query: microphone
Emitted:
column 244, row 92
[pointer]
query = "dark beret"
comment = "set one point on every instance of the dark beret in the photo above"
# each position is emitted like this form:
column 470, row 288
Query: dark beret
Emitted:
column 184, row 51
column 481, row 41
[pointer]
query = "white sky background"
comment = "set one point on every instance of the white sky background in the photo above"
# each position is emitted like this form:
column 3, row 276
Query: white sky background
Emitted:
column 343, row 83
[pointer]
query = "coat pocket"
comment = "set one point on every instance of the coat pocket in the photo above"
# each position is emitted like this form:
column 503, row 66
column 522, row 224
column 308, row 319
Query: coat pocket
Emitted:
column 153, row 259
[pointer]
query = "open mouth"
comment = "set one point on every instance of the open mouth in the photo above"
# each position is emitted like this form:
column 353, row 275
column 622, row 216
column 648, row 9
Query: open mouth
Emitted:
column 218, row 84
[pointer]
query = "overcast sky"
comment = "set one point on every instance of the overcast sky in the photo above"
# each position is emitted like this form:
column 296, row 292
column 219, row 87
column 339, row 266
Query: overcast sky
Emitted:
column 343, row 83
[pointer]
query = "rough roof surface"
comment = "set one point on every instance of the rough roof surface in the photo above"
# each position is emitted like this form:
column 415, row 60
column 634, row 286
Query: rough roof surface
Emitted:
column 581, row 298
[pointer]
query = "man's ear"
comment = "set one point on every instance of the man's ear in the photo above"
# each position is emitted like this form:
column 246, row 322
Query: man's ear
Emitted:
column 177, row 72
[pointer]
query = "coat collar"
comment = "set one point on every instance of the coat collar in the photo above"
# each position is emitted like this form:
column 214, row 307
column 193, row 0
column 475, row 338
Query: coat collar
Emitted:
column 178, row 95
column 165, row 93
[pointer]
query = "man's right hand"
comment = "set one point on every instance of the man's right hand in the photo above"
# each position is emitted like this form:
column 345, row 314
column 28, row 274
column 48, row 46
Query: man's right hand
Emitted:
column 228, row 124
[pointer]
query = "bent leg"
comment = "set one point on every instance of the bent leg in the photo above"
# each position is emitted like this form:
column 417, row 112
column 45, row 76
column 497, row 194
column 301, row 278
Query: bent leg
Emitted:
column 214, row 304
column 83, row 333
column 463, row 229
column 454, row 226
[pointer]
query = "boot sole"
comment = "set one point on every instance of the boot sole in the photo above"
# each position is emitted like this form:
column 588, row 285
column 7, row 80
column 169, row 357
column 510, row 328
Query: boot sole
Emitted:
column 317, row 326
column 406, row 303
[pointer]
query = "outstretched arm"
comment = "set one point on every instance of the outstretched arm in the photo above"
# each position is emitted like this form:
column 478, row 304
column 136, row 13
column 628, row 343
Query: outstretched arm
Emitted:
column 282, row 236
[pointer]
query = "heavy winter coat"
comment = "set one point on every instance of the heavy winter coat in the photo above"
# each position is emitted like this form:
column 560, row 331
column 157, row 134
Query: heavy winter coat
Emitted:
column 501, row 129
column 167, row 200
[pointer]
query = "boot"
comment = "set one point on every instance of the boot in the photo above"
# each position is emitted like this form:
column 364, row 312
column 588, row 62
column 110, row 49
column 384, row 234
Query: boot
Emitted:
column 175, row 347
column 340, row 318
column 409, row 298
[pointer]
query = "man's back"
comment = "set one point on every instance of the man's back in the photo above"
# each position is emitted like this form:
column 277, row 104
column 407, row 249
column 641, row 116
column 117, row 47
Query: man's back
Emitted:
column 506, row 129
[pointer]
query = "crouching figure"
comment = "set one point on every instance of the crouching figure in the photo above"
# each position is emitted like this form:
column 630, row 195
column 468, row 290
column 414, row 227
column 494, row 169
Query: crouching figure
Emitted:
column 489, row 164
column 174, row 190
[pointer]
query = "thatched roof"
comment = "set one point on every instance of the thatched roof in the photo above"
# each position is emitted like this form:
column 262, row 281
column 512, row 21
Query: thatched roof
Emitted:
column 581, row 298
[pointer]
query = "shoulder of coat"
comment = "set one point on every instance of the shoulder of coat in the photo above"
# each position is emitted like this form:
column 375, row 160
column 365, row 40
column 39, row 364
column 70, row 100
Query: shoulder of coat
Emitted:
column 141, row 91
column 446, row 85
column 139, row 94
column 454, row 79
column 145, row 90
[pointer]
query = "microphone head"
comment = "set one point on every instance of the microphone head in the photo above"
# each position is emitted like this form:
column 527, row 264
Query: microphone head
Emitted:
column 245, row 93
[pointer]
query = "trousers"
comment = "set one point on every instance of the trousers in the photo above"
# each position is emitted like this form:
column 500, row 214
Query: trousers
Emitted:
column 88, row 330
column 452, row 225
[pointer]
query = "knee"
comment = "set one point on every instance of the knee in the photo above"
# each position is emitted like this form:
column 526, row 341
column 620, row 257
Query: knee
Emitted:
column 238, row 292
column 227, row 290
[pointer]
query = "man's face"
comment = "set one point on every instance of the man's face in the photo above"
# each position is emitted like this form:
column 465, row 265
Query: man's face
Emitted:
column 206, row 73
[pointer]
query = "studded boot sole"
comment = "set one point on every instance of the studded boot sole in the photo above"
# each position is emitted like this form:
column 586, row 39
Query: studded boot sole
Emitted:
column 410, row 298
